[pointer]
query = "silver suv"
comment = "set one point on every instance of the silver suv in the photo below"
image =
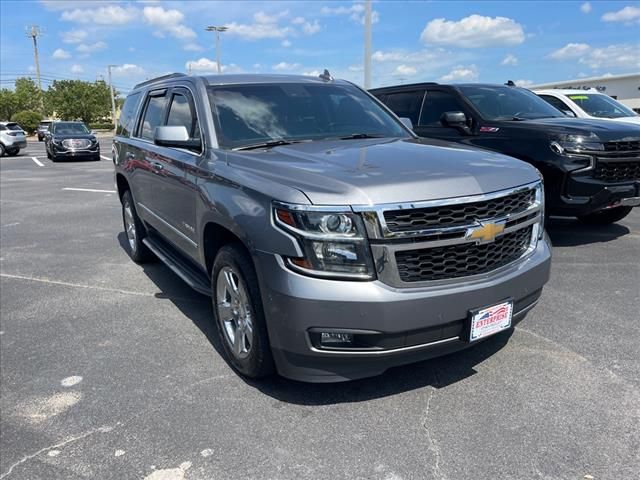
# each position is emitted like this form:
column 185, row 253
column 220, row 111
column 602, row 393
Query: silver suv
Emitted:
column 12, row 138
column 333, row 242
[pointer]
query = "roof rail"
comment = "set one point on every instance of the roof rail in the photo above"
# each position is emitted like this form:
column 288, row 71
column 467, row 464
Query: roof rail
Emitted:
column 163, row 77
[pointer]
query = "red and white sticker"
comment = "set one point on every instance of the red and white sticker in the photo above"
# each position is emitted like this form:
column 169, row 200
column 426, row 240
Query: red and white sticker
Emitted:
column 491, row 320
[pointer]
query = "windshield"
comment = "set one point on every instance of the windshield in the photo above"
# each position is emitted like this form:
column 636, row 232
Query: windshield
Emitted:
column 509, row 103
column 256, row 113
column 602, row 106
column 70, row 128
column 13, row 126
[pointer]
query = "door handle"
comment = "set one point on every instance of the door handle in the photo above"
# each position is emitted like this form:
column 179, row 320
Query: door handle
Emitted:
column 129, row 155
column 157, row 165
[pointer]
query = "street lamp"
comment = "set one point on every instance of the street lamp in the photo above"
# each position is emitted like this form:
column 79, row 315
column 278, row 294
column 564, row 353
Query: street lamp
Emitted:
column 217, row 29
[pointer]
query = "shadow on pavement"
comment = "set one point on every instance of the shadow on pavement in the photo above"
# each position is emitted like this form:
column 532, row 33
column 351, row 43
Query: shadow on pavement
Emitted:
column 567, row 232
column 439, row 372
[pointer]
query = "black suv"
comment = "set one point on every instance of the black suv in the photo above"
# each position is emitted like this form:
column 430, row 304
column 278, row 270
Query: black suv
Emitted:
column 71, row 140
column 591, row 168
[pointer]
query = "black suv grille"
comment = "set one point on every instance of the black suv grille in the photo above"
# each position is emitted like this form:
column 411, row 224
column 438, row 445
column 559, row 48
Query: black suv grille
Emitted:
column 462, row 260
column 617, row 171
column 454, row 215
column 630, row 146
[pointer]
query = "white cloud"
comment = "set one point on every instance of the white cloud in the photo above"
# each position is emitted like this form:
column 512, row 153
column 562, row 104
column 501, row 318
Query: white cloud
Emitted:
column 167, row 22
column 204, row 65
column 257, row 65
column 474, row 31
column 74, row 36
column 404, row 70
column 355, row 12
column 510, row 59
column 90, row 48
column 356, row 68
column 614, row 56
column 284, row 66
column 570, row 50
column 127, row 70
column 298, row 21
column 628, row 15
column 106, row 15
column 311, row 28
column 524, row 83
column 312, row 73
column 286, row 43
column 77, row 68
column 461, row 73
column 585, row 7
column 403, row 56
column 261, row 17
column 193, row 47
column 60, row 54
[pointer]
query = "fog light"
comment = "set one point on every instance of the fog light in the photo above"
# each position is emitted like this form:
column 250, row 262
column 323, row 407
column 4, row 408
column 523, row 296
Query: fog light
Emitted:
column 333, row 339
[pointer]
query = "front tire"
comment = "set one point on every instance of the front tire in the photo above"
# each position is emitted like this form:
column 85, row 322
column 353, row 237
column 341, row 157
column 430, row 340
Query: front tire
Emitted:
column 238, row 313
column 606, row 217
column 134, row 230
column 2, row 150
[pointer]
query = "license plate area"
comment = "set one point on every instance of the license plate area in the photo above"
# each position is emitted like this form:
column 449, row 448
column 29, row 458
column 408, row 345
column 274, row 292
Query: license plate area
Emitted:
column 487, row 321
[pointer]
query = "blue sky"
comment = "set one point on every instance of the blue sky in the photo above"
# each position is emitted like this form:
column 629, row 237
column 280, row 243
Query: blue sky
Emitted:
column 445, row 41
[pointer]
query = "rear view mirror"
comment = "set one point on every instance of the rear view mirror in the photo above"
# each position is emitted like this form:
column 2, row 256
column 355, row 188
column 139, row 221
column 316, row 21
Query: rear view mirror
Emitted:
column 174, row 136
column 407, row 122
column 455, row 120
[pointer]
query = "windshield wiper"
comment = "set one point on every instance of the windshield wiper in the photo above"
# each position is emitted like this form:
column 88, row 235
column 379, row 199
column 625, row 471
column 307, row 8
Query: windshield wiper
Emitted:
column 269, row 144
column 354, row 136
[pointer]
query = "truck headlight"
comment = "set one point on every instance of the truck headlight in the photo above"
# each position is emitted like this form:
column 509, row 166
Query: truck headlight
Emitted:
column 570, row 143
column 540, row 200
column 333, row 241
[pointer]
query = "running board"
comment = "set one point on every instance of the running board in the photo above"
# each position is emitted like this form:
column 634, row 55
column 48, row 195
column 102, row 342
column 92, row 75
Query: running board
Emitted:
column 191, row 275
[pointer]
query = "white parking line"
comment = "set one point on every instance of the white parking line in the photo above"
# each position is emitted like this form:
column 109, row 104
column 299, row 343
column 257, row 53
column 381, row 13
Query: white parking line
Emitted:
column 104, row 158
column 37, row 162
column 89, row 190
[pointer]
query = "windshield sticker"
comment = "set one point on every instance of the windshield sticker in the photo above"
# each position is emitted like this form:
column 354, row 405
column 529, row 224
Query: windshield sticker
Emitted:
column 578, row 97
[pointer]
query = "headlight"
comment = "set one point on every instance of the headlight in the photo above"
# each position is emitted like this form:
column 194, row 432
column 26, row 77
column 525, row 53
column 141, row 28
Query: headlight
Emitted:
column 540, row 200
column 575, row 143
column 334, row 243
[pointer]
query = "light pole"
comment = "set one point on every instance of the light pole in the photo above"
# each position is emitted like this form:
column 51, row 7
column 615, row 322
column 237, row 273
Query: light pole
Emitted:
column 113, row 101
column 217, row 29
column 34, row 32
column 367, row 44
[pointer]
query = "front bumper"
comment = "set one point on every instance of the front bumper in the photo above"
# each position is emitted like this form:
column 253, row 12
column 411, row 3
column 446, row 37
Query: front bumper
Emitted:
column 411, row 324
column 62, row 152
column 13, row 142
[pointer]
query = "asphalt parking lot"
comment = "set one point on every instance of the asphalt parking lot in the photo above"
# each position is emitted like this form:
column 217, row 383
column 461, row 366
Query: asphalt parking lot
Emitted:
column 112, row 370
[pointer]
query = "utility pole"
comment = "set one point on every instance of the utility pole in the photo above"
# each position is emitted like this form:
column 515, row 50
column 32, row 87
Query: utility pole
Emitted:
column 217, row 29
column 367, row 44
column 34, row 32
column 113, row 101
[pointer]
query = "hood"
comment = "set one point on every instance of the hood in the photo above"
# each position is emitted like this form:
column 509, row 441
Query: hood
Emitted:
column 607, row 131
column 376, row 171
column 78, row 136
column 635, row 120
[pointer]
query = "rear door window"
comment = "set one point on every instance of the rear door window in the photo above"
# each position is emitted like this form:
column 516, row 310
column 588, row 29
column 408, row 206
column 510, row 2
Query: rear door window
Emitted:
column 153, row 115
column 435, row 104
column 127, row 116
column 406, row 104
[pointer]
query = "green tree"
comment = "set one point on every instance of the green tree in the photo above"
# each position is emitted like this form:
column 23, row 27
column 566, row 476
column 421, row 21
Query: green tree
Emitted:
column 8, row 104
column 27, row 119
column 27, row 94
column 77, row 99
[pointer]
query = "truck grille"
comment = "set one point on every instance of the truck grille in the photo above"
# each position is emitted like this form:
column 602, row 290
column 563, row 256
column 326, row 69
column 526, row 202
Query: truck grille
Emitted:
column 76, row 143
column 462, row 260
column 617, row 171
column 452, row 215
column 633, row 145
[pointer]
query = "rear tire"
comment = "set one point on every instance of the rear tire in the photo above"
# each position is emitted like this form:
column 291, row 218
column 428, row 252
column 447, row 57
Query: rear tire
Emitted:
column 606, row 217
column 134, row 230
column 2, row 150
column 238, row 313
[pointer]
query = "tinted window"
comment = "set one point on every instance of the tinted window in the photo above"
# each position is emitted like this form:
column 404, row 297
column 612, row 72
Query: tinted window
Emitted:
column 508, row 103
column 2, row 127
column 556, row 102
column 181, row 113
column 127, row 115
column 248, row 114
column 601, row 106
column 406, row 104
column 152, row 116
column 13, row 126
column 435, row 104
column 68, row 128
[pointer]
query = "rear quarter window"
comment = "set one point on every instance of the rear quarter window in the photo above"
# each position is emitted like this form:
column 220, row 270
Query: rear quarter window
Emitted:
column 127, row 115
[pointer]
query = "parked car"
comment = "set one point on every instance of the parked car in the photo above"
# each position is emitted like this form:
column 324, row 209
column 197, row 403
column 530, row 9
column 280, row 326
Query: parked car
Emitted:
column 588, row 104
column 591, row 168
column 71, row 140
column 12, row 138
column 334, row 243
column 42, row 129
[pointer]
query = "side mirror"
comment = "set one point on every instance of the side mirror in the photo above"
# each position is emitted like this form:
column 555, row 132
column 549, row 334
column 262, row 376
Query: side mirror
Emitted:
column 407, row 122
column 455, row 120
column 174, row 136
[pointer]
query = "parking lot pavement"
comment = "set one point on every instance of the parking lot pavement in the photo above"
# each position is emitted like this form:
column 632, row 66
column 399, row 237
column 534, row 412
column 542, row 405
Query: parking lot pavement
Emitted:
column 113, row 370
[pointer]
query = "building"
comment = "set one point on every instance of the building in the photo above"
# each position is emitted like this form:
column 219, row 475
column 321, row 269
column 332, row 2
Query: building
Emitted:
column 624, row 88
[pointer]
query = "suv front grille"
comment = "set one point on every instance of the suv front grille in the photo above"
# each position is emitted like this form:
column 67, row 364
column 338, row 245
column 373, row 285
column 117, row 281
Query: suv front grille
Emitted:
column 452, row 215
column 76, row 143
column 462, row 260
column 617, row 171
column 633, row 145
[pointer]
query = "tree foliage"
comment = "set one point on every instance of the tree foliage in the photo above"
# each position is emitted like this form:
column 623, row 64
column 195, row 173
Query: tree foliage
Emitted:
column 76, row 99
column 27, row 94
column 27, row 119
column 8, row 104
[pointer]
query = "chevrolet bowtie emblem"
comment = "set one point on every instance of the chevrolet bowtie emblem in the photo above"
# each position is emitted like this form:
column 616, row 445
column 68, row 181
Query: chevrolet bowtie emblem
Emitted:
column 487, row 232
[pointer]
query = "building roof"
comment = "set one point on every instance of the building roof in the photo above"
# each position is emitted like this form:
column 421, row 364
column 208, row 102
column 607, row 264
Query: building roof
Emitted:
column 586, row 80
